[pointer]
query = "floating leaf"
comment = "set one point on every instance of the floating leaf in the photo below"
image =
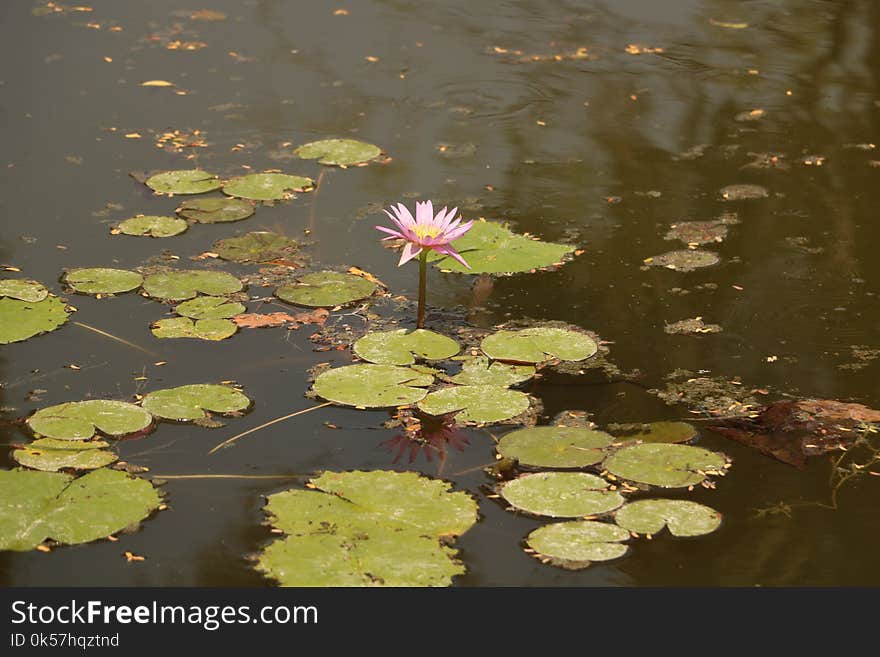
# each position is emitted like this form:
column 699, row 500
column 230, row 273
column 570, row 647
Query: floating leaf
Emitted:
column 669, row 466
column 46, row 505
column 534, row 345
column 178, row 285
column 657, row 432
column 259, row 246
column 743, row 192
column 687, row 260
column 80, row 420
column 401, row 347
column 20, row 320
column 256, row 320
column 326, row 288
column 53, row 460
column 338, row 152
column 480, row 404
column 101, row 280
column 372, row 386
column 561, row 494
column 190, row 181
column 215, row 210
column 575, row 545
column 477, row 371
column 682, row 517
column 191, row 402
column 555, row 447
column 209, row 308
column 203, row 329
column 23, row 290
column 267, row 186
column 153, row 226
column 697, row 232
column 491, row 248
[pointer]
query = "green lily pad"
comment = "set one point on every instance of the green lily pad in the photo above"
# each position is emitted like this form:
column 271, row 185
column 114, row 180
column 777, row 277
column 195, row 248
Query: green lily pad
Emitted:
column 561, row 494
column 192, row 402
column 101, row 280
column 209, row 308
column 256, row 247
column 367, row 529
column 535, row 345
column 338, row 152
column 656, row 432
column 20, row 320
column 491, row 248
column 686, row 260
column 669, row 466
column 53, row 460
column 153, row 226
column 555, row 447
column 80, row 420
column 401, row 347
column 47, row 505
column 23, row 290
column 575, row 545
column 480, row 404
column 326, row 288
column 203, row 329
column 476, row 371
column 188, row 181
column 372, row 386
column 186, row 284
column 267, row 186
column 682, row 517
column 70, row 445
column 215, row 210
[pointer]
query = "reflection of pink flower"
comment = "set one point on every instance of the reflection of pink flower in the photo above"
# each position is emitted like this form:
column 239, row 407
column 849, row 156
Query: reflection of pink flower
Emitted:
column 426, row 231
column 429, row 439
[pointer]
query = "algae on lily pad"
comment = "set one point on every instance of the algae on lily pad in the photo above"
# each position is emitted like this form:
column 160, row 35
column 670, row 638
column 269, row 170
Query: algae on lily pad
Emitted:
column 535, row 345
column 685, row 261
column 555, row 447
column 80, row 420
column 561, row 494
column 50, row 505
column 203, row 329
column 476, row 371
column 480, row 404
column 375, row 528
column 53, row 459
column 372, row 386
column 326, row 288
column 656, row 432
column 338, row 152
column 23, row 290
column 192, row 401
column 215, row 210
column 402, row 346
column 574, row 545
column 267, row 186
column 261, row 246
column 178, row 285
column 153, row 226
column 103, row 280
column 20, row 320
column 187, row 181
column 491, row 248
column 666, row 465
column 681, row 517
column 209, row 308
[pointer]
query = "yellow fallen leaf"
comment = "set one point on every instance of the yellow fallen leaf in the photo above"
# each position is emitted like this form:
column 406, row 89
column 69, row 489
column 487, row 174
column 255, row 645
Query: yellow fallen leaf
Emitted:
column 133, row 135
column 729, row 26
column 157, row 83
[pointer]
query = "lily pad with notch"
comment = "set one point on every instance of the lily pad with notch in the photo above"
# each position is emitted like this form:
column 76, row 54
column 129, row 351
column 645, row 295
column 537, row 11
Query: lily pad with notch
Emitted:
column 81, row 420
column 152, row 226
column 20, row 320
column 574, row 545
column 267, row 186
column 192, row 402
column 326, row 288
column 23, row 290
column 186, row 181
column 535, row 345
column 655, row 432
column 103, row 280
column 681, row 517
column 561, row 494
column 479, row 404
column 258, row 246
column 181, row 284
column 52, row 459
column 555, row 447
column 402, row 346
column 215, row 210
column 338, row 152
column 209, row 308
column 477, row 371
column 372, row 386
column 202, row 329
column 38, row 506
column 665, row 465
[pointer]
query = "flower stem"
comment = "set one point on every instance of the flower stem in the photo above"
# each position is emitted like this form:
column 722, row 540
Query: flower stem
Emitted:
column 423, row 281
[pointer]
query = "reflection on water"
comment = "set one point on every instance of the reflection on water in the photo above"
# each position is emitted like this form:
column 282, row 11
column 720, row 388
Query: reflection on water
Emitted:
column 604, row 150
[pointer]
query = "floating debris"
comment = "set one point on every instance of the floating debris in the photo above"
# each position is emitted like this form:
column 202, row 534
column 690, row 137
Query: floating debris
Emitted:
column 691, row 326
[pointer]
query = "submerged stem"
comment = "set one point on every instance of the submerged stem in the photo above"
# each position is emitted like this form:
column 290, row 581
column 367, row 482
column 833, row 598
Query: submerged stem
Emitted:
column 423, row 283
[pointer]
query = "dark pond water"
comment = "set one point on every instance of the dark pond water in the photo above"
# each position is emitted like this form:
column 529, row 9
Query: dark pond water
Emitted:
column 542, row 144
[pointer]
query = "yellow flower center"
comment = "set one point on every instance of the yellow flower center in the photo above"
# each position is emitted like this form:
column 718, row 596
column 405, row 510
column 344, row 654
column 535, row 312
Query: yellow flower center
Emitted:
column 423, row 231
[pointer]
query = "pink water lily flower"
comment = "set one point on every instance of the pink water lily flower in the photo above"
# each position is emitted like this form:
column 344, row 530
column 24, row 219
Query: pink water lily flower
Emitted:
column 426, row 231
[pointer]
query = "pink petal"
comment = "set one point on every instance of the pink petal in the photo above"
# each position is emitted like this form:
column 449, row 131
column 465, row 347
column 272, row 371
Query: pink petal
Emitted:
column 410, row 251
column 459, row 231
column 424, row 212
column 404, row 215
column 449, row 217
column 391, row 232
column 448, row 250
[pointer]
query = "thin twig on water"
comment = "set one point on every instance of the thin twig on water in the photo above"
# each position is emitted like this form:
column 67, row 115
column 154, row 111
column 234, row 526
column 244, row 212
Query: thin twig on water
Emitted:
column 113, row 337
column 227, row 476
column 229, row 441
